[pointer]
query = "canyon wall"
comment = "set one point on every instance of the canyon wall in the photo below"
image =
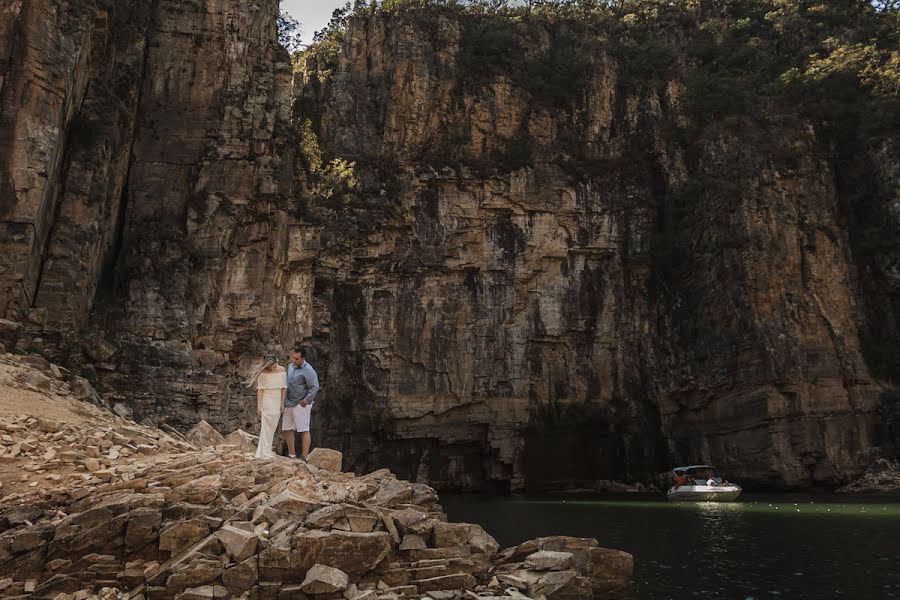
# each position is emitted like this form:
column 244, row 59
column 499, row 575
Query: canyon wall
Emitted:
column 513, row 285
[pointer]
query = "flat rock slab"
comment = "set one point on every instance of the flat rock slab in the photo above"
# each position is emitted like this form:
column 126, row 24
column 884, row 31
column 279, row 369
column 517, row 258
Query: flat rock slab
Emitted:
column 322, row 579
column 353, row 553
column 458, row 581
column 549, row 560
column 205, row 592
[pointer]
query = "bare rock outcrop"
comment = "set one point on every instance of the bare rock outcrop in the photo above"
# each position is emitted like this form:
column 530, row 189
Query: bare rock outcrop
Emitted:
column 97, row 506
column 523, row 288
column 203, row 523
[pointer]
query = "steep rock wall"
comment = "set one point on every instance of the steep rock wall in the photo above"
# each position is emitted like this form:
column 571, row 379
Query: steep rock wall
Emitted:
column 148, row 242
column 520, row 286
column 583, row 301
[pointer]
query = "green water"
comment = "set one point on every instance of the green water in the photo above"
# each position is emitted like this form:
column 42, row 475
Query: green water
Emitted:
column 763, row 547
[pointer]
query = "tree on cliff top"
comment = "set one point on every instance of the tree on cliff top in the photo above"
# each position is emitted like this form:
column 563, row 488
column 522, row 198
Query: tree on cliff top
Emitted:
column 289, row 32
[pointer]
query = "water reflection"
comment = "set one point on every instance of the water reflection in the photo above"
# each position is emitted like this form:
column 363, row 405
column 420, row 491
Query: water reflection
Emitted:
column 765, row 548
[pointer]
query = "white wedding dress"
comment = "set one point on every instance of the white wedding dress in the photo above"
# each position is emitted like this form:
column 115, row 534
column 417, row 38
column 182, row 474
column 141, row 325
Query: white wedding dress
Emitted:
column 271, row 383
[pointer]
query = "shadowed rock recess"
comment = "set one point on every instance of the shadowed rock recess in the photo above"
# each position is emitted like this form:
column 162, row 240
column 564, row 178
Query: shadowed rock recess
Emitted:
column 517, row 283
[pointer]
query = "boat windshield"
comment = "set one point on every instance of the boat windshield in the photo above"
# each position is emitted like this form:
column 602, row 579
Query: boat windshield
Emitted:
column 703, row 474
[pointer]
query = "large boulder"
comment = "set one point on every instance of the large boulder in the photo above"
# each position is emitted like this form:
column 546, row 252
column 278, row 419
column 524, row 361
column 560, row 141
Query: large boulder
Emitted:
column 352, row 553
column 610, row 572
column 325, row 458
column 204, row 436
column 322, row 579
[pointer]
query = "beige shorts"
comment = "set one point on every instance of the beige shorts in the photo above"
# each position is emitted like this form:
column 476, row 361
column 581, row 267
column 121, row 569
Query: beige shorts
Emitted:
column 296, row 418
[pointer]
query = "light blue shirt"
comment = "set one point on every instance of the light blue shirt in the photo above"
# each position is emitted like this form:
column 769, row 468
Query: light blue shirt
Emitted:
column 302, row 384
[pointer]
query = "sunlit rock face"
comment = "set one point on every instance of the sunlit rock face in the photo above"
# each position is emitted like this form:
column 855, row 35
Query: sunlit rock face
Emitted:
column 525, row 288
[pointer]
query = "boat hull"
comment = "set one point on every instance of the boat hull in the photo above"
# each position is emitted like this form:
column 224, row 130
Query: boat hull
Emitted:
column 704, row 493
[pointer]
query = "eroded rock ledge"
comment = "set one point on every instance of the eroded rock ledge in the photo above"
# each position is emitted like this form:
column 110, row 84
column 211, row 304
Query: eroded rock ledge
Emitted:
column 99, row 506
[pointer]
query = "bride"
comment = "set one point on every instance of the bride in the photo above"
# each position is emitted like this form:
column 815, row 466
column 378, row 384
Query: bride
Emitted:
column 271, row 387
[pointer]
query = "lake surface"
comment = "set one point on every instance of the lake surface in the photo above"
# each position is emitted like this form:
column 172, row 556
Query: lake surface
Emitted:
column 763, row 547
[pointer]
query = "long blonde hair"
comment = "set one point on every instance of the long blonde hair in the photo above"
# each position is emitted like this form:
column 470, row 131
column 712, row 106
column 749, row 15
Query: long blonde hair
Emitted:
column 266, row 362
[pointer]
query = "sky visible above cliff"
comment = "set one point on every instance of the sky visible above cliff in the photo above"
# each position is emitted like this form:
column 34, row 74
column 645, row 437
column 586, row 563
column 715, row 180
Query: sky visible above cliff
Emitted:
column 312, row 14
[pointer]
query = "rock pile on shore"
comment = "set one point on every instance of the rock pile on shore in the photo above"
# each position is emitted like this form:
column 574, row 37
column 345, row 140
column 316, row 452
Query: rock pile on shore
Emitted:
column 882, row 477
column 111, row 509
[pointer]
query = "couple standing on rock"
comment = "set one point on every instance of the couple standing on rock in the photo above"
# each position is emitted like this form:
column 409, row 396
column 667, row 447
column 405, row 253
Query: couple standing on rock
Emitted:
column 287, row 395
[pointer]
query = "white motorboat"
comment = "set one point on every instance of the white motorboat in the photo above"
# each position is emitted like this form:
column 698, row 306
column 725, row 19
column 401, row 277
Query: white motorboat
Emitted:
column 701, row 483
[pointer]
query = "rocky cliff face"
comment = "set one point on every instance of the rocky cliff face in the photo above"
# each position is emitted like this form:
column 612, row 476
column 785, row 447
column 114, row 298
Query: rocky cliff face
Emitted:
column 145, row 206
column 614, row 305
column 517, row 285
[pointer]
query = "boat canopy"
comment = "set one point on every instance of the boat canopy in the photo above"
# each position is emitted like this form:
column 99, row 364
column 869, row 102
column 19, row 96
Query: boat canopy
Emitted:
column 698, row 472
column 685, row 469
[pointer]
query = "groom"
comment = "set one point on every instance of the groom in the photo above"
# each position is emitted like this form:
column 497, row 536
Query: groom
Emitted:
column 302, row 386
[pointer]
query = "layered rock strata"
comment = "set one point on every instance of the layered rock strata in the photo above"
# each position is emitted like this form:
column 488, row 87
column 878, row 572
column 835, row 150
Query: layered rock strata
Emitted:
column 518, row 290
